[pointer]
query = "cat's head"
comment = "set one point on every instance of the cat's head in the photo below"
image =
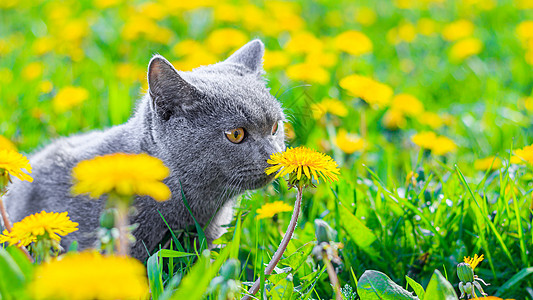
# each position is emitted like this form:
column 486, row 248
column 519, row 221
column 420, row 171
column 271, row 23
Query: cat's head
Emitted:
column 217, row 124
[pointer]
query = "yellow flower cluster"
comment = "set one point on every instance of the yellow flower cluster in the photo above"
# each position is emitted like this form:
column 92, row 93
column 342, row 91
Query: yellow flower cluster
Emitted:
column 89, row 275
column 490, row 162
column 40, row 225
column 302, row 160
column 465, row 45
column 349, row 142
column 439, row 145
column 68, row 98
column 268, row 210
column 524, row 31
column 125, row 174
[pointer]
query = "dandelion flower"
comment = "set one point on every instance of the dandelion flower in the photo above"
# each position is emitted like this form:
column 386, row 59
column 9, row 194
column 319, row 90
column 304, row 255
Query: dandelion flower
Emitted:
column 407, row 104
column 308, row 72
column 465, row 48
column 490, row 162
column 89, row 275
column 349, row 142
column 524, row 155
column 301, row 160
column 368, row 89
column 32, row 71
column 473, row 262
column 13, row 163
column 126, row 174
column 225, row 39
column 353, row 42
column 68, row 98
column 458, row 30
column 443, row 145
column 5, row 143
column 329, row 105
column 268, row 210
column 38, row 225
column 424, row 139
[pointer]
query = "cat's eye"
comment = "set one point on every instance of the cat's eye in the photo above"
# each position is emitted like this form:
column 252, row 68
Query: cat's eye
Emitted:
column 235, row 135
column 275, row 128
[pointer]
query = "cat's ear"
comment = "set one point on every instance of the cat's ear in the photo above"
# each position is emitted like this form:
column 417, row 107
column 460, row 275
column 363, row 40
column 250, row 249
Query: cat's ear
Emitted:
column 250, row 56
column 168, row 90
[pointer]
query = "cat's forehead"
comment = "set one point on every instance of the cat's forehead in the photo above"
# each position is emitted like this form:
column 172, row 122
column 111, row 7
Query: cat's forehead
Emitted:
column 245, row 97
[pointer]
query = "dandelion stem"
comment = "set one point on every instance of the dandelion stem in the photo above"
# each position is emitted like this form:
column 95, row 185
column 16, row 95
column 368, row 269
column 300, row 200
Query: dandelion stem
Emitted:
column 122, row 225
column 333, row 278
column 283, row 245
column 5, row 218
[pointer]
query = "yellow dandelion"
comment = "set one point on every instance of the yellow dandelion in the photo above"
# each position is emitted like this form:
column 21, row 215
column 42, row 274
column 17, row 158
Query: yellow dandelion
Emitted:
column 365, row 16
column 32, row 70
column 458, row 30
column 353, row 42
column 368, row 89
column 465, row 48
column 90, row 275
column 68, row 98
column 490, row 162
column 125, row 174
column 275, row 59
column 268, row 210
column 424, row 139
column 394, row 119
column 5, row 143
column 473, row 262
column 33, row 227
column 407, row 104
column 301, row 160
column 13, row 163
column 443, row 145
column 308, row 72
column 349, row 142
column 431, row 119
column 329, row 105
column 524, row 155
column 303, row 42
column 225, row 39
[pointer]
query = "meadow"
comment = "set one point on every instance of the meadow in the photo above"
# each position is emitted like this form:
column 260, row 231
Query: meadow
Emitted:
column 425, row 105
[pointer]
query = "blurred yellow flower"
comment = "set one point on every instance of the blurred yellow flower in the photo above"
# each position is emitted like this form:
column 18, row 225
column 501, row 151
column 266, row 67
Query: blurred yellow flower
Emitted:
column 286, row 16
column 6, row 76
column 32, row 70
column 74, row 30
column 368, row 89
column 5, row 143
column 303, row 42
column 268, row 210
column 140, row 26
column 329, row 105
column 225, row 39
column 187, row 47
column 365, row 16
column 524, row 4
column 458, row 30
column 192, row 61
column 431, row 119
column 43, row 45
column 490, row 162
column 253, row 18
column 68, row 98
column 323, row 59
column 154, row 10
column 225, row 12
column 45, row 86
column 465, row 48
column 524, row 31
column 443, row 145
column 524, row 155
column 302, row 160
column 103, row 4
column 426, row 26
column 424, row 139
column 405, row 32
column 408, row 104
column 289, row 131
column 394, row 119
column 13, row 162
column 275, row 60
column 40, row 225
column 125, row 174
column 349, row 142
column 90, row 275
column 528, row 103
column 130, row 72
column 308, row 72
column 353, row 42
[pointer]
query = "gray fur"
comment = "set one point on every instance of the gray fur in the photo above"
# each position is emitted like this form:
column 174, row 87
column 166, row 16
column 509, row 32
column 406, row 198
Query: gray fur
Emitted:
column 182, row 121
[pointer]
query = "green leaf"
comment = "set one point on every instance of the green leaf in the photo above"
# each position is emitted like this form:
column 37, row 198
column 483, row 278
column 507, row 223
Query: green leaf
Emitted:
column 359, row 233
column 419, row 290
column 283, row 290
column 296, row 259
column 200, row 231
column 15, row 272
column 374, row 285
column 173, row 253
column 514, row 280
column 439, row 288
column 155, row 275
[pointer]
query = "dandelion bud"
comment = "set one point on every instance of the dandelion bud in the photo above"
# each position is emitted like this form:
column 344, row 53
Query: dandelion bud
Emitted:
column 230, row 269
column 323, row 232
column 465, row 272
column 107, row 219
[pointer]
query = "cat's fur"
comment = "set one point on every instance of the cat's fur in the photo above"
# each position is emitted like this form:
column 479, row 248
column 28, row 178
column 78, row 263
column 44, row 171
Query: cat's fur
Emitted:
column 182, row 121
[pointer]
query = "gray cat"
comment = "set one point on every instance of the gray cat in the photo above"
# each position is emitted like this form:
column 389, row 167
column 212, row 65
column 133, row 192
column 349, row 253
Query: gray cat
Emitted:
column 214, row 127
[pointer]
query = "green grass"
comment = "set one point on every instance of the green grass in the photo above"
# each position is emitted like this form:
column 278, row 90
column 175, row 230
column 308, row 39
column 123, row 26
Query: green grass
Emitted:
column 385, row 222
